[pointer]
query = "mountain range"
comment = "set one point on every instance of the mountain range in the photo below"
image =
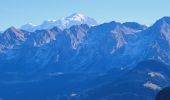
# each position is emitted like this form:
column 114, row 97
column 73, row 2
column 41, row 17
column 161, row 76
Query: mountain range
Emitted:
column 74, row 19
column 89, row 61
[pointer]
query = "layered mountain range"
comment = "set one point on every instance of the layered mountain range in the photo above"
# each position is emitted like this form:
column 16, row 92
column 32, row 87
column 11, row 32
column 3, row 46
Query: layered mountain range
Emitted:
column 77, row 47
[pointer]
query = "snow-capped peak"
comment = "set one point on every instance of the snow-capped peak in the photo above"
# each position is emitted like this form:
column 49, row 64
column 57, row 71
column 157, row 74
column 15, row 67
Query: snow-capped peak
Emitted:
column 76, row 16
column 67, row 22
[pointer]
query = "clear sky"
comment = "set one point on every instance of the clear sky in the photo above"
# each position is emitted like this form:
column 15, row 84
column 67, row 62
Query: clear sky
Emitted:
column 19, row 12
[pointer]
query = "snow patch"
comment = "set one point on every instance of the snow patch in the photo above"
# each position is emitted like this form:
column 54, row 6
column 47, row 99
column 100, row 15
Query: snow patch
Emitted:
column 156, row 74
column 74, row 19
column 152, row 86
column 73, row 94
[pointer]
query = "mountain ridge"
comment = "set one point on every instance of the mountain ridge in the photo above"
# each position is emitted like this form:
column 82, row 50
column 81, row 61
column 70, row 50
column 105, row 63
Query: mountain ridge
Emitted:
column 81, row 47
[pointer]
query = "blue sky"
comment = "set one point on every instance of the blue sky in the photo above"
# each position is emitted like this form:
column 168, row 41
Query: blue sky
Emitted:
column 19, row 12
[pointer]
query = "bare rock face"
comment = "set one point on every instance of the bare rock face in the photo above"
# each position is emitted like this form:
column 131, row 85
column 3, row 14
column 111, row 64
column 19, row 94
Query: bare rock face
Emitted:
column 163, row 94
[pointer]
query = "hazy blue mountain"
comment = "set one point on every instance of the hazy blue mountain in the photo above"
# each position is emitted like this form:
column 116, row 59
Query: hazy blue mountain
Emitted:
column 102, row 62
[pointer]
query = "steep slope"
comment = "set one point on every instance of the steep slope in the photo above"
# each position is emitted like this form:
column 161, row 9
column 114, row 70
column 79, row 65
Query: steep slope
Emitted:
column 153, row 43
column 42, row 37
column 11, row 37
column 142, row 83
column 45, row 49
column 104, row 48
column 164, row 94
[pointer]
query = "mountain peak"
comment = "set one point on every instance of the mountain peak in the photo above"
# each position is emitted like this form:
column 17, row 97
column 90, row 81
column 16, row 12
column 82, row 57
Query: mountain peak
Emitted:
column 76, row 16
column 30, row 25
column 11, row 29
column 12, row 36
column 166, row 19
column 162, row 21
column 67, row 22
column 77, row 19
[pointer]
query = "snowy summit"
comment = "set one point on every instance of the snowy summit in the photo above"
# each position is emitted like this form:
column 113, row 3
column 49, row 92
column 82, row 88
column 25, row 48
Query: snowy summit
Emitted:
column 67, row 22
